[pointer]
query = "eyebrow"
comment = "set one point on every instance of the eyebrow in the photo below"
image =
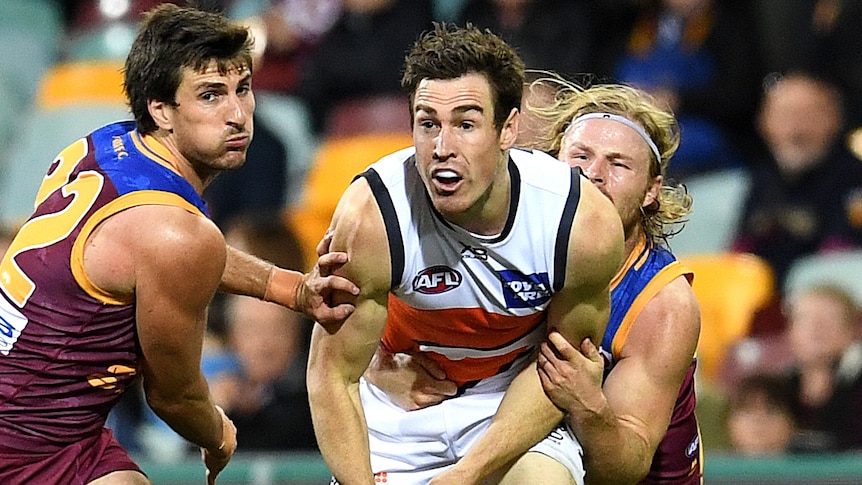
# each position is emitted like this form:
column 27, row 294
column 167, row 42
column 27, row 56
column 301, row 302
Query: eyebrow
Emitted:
column 459, row 109
column 615, row 155
column 221, row 84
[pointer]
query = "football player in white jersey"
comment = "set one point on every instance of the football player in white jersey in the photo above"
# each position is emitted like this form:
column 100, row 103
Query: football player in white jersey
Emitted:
column 467, row 251
column 638, row 424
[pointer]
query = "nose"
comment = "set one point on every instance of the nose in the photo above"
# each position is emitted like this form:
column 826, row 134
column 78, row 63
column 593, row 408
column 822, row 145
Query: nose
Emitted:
column 238, row 112
column 443, row 145
column 594, row 171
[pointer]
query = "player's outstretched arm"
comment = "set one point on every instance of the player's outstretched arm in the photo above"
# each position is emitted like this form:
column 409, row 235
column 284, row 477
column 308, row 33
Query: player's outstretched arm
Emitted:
column 309, row 293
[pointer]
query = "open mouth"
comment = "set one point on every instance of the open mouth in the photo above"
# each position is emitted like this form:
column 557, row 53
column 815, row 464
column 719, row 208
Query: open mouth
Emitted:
column 446, row 178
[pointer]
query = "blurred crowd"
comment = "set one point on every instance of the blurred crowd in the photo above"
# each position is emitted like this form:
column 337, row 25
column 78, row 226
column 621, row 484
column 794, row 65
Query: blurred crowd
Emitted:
column 768, row 89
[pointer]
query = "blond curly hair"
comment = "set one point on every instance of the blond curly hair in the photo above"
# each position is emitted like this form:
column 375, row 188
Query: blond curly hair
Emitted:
column 663, row 218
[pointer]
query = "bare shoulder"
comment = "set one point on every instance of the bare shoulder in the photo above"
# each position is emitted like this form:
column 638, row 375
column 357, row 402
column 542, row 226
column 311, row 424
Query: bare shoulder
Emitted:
column 596, row 241
column 669, row 324
column 358, row 229
column 153, row 238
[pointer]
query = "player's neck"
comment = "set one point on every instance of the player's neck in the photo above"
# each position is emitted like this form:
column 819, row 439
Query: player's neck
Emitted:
column 198, row 178
column 635, row 237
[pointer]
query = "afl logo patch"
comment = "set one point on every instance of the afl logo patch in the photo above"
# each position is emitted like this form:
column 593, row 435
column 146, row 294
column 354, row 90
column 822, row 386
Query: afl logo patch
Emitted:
column 436, row 280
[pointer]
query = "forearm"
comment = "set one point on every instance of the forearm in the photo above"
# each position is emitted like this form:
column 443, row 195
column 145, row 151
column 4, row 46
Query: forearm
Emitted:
column 192, row 414
column 342, row 434
column 614, row 450
column 248, row 275
column 524, row 417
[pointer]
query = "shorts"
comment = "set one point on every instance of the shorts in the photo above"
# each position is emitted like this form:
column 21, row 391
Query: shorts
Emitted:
column 413, row 447
column 76, row 464
column 562, row 446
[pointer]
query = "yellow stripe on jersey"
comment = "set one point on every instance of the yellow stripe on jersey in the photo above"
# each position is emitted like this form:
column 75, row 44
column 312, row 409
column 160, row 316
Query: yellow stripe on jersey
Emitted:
column 132, row 199
column 153, row 149
column 659, row 281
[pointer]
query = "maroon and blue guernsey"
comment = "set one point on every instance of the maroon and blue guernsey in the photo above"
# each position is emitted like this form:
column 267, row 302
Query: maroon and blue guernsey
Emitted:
column 68, row 349
column 649, row 268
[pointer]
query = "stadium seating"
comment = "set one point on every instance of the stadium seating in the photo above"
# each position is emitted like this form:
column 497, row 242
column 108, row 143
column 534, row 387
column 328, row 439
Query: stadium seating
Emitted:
column 730, row 288
column 842, row 268
column 90, row 82
column 108, row 41
column 338, row 160
column 288, row 118
column 718, row 204
column 45, row 133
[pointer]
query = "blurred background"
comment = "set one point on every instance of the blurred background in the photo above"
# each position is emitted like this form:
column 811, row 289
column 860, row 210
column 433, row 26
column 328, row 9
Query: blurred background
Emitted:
column 769, row 98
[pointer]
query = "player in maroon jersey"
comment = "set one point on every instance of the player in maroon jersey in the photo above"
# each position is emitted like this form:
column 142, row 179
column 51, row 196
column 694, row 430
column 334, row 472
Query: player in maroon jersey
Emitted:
column 111, row 276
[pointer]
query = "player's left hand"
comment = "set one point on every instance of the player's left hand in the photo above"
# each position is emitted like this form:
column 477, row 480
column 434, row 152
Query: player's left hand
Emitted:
column 571, row 377
column 216, row 459
column 320, row 288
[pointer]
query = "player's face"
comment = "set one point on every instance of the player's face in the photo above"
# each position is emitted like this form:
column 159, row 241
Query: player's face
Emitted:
column 460, row 155
column 617, row 160
column 212, row 121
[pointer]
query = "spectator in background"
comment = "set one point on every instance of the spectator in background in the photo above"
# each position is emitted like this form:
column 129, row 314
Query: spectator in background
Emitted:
column 819, row 35
column 258, row 377
column 826, row 378
column 760, row 418
column 558, row 35
column 362, row 54
column 265, row 394
column 287, row 32
column 688, row 54
column 806, row 191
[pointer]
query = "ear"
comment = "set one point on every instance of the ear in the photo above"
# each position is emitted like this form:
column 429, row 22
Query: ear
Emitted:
column 161, row 113
column 653, row 191
column 509, row 133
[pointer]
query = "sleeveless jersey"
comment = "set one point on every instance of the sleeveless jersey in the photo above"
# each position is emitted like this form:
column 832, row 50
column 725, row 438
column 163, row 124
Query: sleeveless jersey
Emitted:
column 67, row 348
column 648, row 269
column 473, row 303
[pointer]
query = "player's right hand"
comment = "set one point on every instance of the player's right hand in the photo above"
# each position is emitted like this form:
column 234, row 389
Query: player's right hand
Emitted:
column 215, row 459
column 412, row 381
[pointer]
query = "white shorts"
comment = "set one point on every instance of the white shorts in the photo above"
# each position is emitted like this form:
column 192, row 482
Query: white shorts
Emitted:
column 413, row 447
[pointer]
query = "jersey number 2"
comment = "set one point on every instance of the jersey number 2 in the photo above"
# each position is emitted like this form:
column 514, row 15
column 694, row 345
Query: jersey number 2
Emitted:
column 47, row 229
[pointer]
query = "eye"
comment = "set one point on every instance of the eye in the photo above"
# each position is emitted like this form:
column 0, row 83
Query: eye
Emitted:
column 209, row 96
column 467, row 125
column 243, row 89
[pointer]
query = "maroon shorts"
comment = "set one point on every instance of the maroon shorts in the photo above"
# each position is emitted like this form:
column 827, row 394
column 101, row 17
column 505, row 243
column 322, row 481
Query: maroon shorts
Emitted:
column 76, row 464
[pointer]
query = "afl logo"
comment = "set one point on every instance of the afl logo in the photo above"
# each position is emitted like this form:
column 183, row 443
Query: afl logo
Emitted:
column 436, row 279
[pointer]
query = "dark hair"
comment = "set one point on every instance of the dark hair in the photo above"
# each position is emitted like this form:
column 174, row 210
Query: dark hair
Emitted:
column 171, row 38
column 449, row 52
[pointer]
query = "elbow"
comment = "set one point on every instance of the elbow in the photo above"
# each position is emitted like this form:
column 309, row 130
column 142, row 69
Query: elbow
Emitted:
column 164, row 406
column 631, row 475
column 168, row 402
column 322, row 382
column 627, row 466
